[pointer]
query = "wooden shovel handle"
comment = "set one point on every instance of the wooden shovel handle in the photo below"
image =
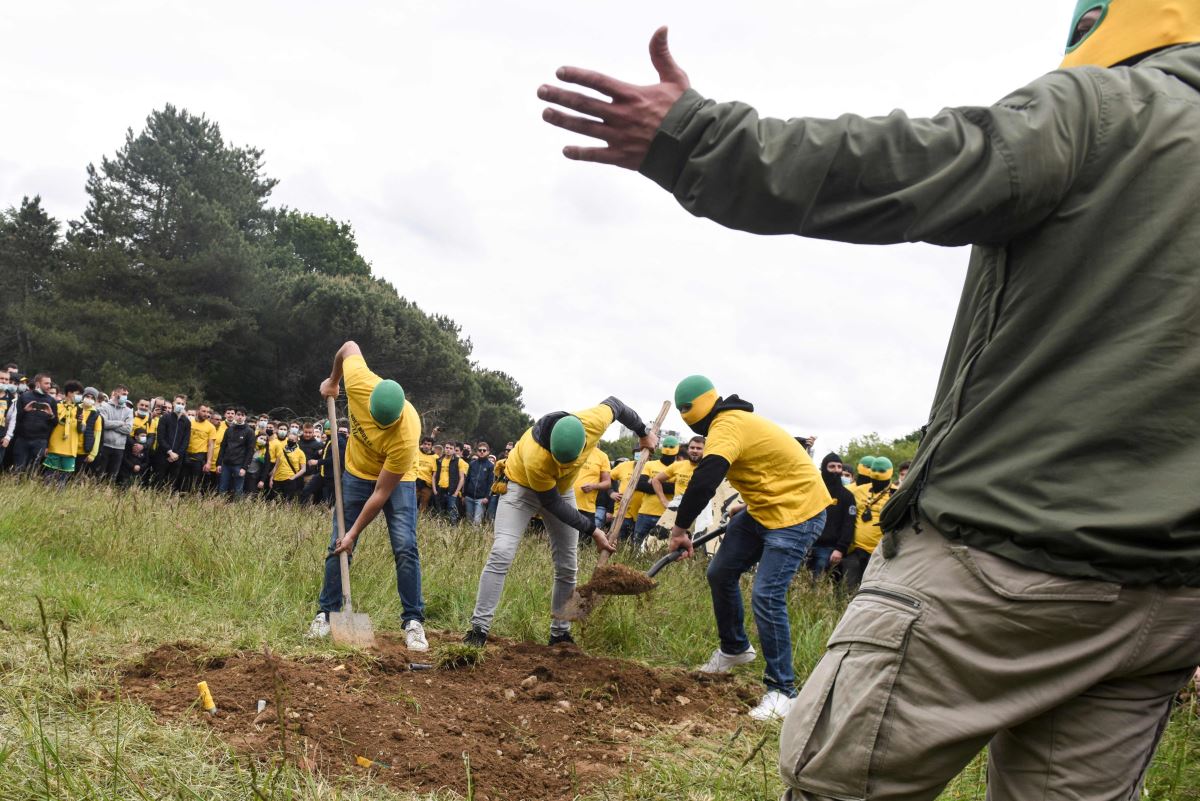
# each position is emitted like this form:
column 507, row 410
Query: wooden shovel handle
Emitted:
column 614, row 530
column 343, row 560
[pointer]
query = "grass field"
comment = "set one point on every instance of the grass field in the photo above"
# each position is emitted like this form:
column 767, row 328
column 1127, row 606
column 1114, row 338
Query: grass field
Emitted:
column 118, row 573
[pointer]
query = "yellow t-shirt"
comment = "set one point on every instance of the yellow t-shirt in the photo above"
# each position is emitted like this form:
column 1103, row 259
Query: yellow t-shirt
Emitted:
column 202, row 432
column 65, row 439
column 596, row 463
column 679, row 473
column 533, row 466
column 651, row 505
column 867, row 535
column 620, row 475
column 425, row 464
column 142, row 424
column 776, row 478
column 218, row 435
column 372, row 449
column 290, row 463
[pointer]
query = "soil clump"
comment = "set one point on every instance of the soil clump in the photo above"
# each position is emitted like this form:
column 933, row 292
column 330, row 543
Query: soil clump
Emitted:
column 613, row 579
column 575, row 725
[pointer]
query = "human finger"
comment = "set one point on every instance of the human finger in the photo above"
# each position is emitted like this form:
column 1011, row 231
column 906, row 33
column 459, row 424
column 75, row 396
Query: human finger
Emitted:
column 595, row 80
column 599, row 155
column 570, row 122
column 662, row 60
column 576, row 101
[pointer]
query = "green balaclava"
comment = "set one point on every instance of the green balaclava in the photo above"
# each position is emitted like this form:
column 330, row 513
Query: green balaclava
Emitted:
column 695, row 397
column 670, row 445
column 881, row 472
column 567, row 439
column 387, row 403
column 862, row 473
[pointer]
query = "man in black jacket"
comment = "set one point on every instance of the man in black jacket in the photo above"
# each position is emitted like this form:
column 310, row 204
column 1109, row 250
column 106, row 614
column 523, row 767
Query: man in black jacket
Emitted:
column 171, row 443
column 478, row 486
column 237, row 449
column 836, row 538
column 37, row 414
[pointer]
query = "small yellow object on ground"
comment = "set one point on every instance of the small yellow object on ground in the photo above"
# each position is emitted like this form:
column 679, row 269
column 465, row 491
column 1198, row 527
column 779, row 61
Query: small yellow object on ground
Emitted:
column 362, row 761
column 206, row 699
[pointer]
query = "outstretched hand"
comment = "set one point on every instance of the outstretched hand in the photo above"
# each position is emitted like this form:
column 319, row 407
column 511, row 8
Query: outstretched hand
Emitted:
column 628, row 122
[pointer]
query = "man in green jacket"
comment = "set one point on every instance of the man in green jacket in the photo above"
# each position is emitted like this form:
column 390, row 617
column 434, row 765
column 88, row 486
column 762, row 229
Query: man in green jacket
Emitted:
column 1032, row 594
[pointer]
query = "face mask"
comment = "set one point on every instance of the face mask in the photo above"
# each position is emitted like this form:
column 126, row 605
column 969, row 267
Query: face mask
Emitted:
column 23, row 387
column 8, row 387
column 294, row 431
column 141, row 440
column 143, row 413
column 262, row 424
column 281, row 434
column 77, row 398
column 179, row 408
column 40, row 391
column 847, row 481
column 89, row 401
column 262, row 441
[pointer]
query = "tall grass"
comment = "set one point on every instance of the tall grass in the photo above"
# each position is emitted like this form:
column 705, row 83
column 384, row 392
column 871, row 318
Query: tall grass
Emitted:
column 120, row 572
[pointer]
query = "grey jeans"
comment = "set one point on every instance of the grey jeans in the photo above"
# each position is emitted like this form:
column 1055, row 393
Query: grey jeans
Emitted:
column 517, row 507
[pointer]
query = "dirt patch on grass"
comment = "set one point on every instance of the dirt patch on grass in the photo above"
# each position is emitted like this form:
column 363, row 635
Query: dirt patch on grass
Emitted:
column 535, row 722
column 617, row 580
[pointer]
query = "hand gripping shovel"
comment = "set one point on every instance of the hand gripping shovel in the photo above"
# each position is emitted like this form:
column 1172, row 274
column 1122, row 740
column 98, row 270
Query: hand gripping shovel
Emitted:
column 346, row 626
column 583, row 599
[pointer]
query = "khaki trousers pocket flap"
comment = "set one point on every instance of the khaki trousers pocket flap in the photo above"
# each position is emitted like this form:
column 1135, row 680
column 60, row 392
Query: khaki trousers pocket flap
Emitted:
column 828, row 742
column 1016, row 582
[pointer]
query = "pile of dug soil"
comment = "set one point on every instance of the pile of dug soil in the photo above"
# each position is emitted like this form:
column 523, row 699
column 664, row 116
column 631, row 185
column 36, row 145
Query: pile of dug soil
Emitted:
column 534, row 722
column 617, row 580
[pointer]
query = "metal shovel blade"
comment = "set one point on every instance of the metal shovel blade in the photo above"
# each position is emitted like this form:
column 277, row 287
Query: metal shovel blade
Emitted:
column 352, row 628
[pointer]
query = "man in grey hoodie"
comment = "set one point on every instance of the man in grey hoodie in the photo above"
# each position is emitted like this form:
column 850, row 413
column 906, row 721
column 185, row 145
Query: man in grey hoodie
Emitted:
column 117, row 423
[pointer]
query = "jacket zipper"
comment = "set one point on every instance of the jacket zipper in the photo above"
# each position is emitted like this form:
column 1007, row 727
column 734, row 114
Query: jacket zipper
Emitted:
column 912, row 603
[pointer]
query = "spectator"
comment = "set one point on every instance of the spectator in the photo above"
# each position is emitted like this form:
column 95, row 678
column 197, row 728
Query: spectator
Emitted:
column 288, row 479
column 840, row 516
column 172, row 439
column 312, row 446
column 8, row 409
column 201, row 438
column 237, row 453
column 62, row 451
column 478, row 484
column 449, row 474
column 90, row 429
column 36, row 418
column 426, row 465
column 117, row 423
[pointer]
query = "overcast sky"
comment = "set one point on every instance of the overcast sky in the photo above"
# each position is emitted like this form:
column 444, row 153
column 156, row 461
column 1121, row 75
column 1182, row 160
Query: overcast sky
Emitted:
column 419, row 124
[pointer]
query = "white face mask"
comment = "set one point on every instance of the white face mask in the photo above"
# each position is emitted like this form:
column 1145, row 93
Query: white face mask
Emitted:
column 847, row 481
column 23, row 387
column 89, row 401
column 141, row 440
column 179, row 408
column 77, row 398
column 294, row 431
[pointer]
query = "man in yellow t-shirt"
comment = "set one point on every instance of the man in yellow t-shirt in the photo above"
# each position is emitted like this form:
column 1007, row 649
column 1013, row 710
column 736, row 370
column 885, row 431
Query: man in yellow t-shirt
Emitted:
column 449, row 474
column 673, row 482
column 594, row 477
column 541, row 472
column 620, row 480
column 426, row 462
column 869, row 500
column 201, row 440
column 785, row 501
column 380, row 476
column 652, row 508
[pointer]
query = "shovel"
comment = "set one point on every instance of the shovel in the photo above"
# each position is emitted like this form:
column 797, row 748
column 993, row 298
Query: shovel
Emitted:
column 347, row 626
column 579, row 604
column 677, row 554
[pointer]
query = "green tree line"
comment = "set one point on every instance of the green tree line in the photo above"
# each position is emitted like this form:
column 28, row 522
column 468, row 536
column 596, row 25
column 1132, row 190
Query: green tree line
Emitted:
column 180, row 277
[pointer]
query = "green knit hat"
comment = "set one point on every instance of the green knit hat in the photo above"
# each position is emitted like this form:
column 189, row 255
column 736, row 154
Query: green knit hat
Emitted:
column 695, row 397
column 567, row 439
column 881, row 468
column 865, row 466
column 387, row 402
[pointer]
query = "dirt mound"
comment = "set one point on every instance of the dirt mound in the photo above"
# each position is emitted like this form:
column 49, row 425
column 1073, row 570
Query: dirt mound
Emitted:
column 617, row 580
column 533, row 722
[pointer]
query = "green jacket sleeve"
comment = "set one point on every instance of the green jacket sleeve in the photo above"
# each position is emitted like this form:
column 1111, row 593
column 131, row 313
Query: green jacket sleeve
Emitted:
column 965, row 176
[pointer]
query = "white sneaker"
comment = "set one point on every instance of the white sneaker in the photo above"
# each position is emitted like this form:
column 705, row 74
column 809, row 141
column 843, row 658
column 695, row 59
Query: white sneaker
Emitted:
column 319, row 627
column 721, row 662
column 414, row 636
column 773, row 705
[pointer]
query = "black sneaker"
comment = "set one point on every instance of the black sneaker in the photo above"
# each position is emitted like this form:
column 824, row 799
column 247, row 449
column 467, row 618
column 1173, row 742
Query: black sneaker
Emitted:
column 559, row 639
column 476, row 637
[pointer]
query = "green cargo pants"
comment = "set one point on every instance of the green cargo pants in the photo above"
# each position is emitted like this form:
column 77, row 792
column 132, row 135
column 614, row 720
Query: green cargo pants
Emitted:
column 947, row 649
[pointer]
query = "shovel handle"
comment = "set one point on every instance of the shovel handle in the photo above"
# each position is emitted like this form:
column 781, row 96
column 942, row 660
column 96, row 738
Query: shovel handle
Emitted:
column 677, row 554
column 614, row 530
column 340, row 512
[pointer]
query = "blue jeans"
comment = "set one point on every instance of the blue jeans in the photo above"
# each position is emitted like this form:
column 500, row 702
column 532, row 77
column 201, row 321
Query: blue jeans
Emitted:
column 641, row 528
column 230, row 481
column 779, row 553
column 475, row 507
column 400, row 512
column 601, row 513
column 818, row 561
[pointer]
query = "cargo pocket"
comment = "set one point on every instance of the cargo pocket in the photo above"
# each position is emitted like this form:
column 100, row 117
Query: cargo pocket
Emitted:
column 828, row 740
column 1016, row 582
